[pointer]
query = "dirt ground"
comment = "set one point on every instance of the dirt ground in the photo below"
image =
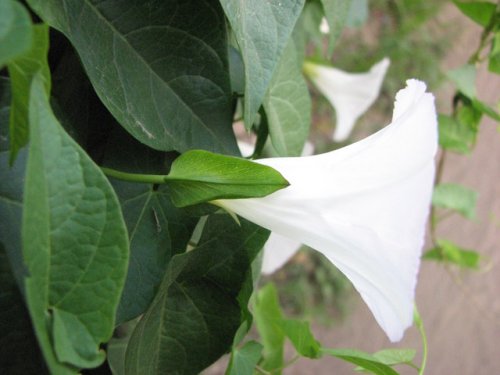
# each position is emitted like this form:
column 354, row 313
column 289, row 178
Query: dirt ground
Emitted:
column 461, row 312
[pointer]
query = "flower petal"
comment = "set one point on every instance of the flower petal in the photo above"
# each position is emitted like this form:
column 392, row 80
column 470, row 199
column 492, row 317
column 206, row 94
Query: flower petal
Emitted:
column 351, row 94
column 277, row 251
column 363, row 206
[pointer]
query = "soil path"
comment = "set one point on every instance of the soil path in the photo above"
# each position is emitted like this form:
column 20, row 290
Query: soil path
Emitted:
column 462, row 318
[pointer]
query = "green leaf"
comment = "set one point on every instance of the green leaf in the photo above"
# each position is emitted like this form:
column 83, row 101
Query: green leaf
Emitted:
column 157, row 230
column 336, row 12
column 262, row 29
column 358, row 13
column 301, row 337
column 74, row 244
column 288, row 105
column 365, row 360
column 456, row 197
column 447, row 251
column 494, row 55
column 268, row 316
column 200, row 176
column 21, row 72
column 15, row 31
column 159, row 67
column 486, row 109
column 19, row 352
column 244, row 359
column 393, row 357
column 196, row 313
column 465, row 79
column 478, row 11
column 455, row 136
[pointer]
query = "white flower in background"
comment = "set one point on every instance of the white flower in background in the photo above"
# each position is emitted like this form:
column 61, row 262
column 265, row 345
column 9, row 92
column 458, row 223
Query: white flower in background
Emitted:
column 324, row 28
column 363, row 206
column 351, row 94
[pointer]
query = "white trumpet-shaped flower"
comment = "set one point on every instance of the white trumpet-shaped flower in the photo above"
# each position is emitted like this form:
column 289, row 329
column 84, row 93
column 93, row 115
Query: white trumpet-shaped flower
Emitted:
column 351, row 94
column 363, row 206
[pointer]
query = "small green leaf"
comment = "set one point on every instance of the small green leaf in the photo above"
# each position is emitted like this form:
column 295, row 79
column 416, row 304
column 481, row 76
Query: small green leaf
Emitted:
column 364, row 360
column 21, row 72
column 447, row 251
column 15, row 31
column 288, row 105
column 494, row 56
column 197, row 311
column 479, row 11
column 301, row 337
column 465, row 79
column 268, row 316
column 74, row 244
column 336, row 12
column 455, row 136
column 455, row 197
column 393, row 357
column 244, row 359
column 199, row 176
column 262, row 29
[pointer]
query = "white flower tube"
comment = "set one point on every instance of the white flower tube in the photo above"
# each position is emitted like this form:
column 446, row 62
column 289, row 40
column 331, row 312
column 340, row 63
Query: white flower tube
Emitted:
column 363, row 206
column 351, row 94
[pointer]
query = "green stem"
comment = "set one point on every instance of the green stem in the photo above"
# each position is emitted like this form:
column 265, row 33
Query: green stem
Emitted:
column 135, row 177
column 421, row 329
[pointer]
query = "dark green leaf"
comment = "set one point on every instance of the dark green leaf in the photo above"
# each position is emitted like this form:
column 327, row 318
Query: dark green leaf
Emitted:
column 157, row 231
column 336, row 12
column 268, row 317
column 301, row 337
column 19, row 353
column 262, row 29
column 365, row 360
column 244, row 359
column 11, row 191
column 197, row 311
column 74, row 243
column 288, row 105
column 478, row 11
column 15, row 31
column 200, row 176
column 160, row 67
column 447, row 251
column 21, row 72
column 455, row 197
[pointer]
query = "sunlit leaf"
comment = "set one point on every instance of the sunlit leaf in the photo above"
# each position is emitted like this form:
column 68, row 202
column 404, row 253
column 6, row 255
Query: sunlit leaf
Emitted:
column 336, row 12
column 364, row 360
column 456, row 197
column 199, row 176
column 448, row 252
column 478, row 11
column 244, row 359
